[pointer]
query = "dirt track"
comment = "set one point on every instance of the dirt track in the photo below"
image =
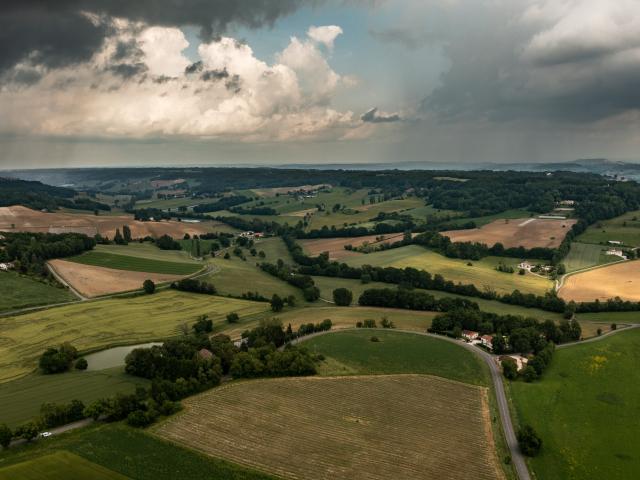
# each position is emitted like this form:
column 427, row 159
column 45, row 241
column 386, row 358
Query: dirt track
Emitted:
column 618, row 280
column 22, row 219
column 519, row 232
column 91, row 281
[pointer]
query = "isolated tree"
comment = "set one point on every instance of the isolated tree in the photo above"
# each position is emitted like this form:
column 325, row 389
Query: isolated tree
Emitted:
column 529, row 441
column 126, row 232
column 277, row 304
column 5, row 435
column 81, row 364
column 233, row 317
column 509, row 369
column 118, row 238
column 342, row 297
column 148, row 286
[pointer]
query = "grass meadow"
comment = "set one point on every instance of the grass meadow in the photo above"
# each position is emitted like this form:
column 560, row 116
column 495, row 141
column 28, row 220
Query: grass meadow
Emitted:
column 625, row 228
column 585, row 408
column 132, row 453
column 21, row 398
column 148, row 251
column 102, row 323
column 19, row 291
column 482, row 273
column 58, row 465
column 135, row 264
column 585, row 255
column 353, row 353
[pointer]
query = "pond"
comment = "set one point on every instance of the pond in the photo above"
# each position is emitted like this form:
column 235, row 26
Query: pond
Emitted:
column 112, row 357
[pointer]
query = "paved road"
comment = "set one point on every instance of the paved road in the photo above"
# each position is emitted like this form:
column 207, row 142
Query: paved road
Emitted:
column 601, row 337
column 517, row 458
column 58, row 430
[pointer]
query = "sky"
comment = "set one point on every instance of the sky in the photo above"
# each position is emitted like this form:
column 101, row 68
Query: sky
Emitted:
column 237, row 82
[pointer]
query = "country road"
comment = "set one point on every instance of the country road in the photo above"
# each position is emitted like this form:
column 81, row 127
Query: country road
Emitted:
column 517, row 457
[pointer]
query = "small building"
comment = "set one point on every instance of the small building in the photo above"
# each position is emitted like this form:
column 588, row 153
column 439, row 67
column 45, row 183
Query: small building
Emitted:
column 525, row 266
column 5, row 267
column 568, row 203
column 487, row 341
column 617, row 252
column 470, row 335
column 205, row 354
column 614, row 242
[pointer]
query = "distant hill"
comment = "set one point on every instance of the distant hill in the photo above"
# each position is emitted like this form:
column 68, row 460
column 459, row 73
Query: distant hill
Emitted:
column 39, row 196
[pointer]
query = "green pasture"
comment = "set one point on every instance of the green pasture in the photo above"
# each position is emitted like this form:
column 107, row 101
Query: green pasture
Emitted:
column 102, row 323
column 585, row 255
column 328, row 284
column 58, row 465
column 128, row 452
column 19, row 291
column 353, row 353
column 21, row 399
column 481, row 273
column 148, row 251
column 625, row 228
column 585, row 409
column 135, row 264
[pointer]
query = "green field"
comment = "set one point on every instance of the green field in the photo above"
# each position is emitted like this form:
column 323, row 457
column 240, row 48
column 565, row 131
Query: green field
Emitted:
column 146, row 250
column 171, row 203
column 585, row 255
column 102, row 323
column 611, row 317
column 363, row 213
column 58, row 465
column 585, row 409
column 328, row 284
column 131, row 453
column 19, row 291
column 625, row 228
column 21, row 398
column 274, row 249
column 135, row 264
column 234, row 276
column 482, row 273
column 353, row 353
column 480, row 221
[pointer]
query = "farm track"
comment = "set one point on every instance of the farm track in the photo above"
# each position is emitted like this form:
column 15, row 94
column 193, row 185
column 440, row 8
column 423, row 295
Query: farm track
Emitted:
column 560, row 283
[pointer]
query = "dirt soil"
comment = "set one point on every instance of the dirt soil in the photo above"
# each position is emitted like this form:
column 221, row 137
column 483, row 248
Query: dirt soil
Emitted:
column 619, row 280
column 335, row 246
column 519, row 232
column 22, row 219
column 93, row 281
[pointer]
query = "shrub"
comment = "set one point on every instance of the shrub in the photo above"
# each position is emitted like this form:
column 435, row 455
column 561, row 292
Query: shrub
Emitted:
column 233, row 317
column 5, row 436
column 57, row 360
column 529, row 374
column 529, row 441
column 509, row 369
column 148, row 286
column 369, row 323
column 81, row 364
column 374, row 339
column 342, row 297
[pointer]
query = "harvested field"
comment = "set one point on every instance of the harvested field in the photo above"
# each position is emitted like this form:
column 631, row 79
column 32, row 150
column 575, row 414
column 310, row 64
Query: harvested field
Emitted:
column 619, row 280
column 92, row 281
column 371, row 427
column 519, row 232
column 335, row 246
column 22, row 219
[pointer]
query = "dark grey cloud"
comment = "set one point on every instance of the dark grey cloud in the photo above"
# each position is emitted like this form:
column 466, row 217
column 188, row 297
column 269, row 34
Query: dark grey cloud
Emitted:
column 234, row 84
column 127, row 50
column 194, row 67
column 128, row 70
column 214, row 75
column 57, row 33
column 372, row 116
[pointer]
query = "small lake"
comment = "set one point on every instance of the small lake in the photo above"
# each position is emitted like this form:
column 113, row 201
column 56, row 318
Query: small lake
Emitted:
column 112, row 357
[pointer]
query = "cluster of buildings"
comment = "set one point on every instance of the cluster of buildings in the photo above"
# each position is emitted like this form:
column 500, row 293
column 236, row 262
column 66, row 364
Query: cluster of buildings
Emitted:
column 475, row 337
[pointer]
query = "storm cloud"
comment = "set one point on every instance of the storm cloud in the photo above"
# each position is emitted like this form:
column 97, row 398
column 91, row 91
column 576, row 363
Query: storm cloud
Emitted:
column 65, row 32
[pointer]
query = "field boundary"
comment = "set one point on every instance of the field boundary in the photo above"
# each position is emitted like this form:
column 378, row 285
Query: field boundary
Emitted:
column 560, row 283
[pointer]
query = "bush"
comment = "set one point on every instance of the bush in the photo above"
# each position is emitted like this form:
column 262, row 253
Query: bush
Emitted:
column 81, row 364
column 342, row 297
column 529, row 441
column 57, row 360
column 277, row 303
column 203, row 325
column 195, row 286
column 374, row 339
column 369, row 323
column 5, row 436
column 529, row 374
column 509, row 369
column 233, row 317
column 386, row 323
column 148, row 286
